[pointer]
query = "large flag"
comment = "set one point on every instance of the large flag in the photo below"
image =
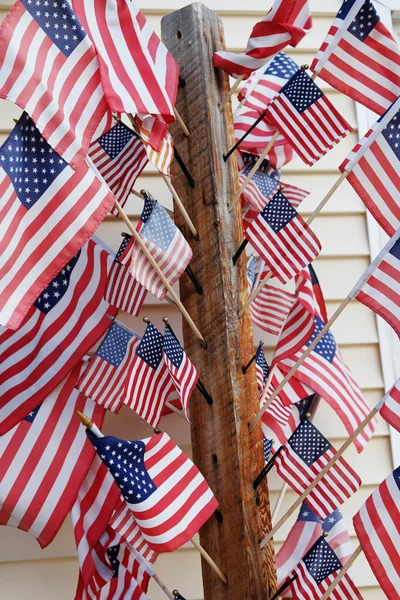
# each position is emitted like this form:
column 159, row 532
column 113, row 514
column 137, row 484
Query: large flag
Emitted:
column 282, row 238
column 170, row 499
column 49, row 67
column 66, row 321
column 104, row 379
column 265, row 83
column 120, row 156
column 165, row 243
column 181, row 369
column 138, row 73
column 325, row 372
column 389, row 406
column 377, row 525
column 303, row 457
column 360, row 57
column 286, row 23
column 317, row 570
column 305, row 116
column 148, row 382
column 372, row 168
column 379, row 286
column 43, row 461
column 47, row 212
column 123, row 291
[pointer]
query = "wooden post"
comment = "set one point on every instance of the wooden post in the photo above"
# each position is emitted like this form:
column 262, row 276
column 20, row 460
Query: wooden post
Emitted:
column 228, row 456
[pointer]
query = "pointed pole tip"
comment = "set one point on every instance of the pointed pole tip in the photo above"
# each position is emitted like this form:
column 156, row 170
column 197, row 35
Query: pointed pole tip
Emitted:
column 146, row 320
column 85, row 420
column 166, row 320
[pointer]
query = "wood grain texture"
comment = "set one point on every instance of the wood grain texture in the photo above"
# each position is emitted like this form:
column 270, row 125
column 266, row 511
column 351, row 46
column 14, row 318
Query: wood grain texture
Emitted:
column 225, row 452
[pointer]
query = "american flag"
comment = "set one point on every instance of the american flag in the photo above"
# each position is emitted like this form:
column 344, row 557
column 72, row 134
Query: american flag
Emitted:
column 181, row 369
column 267, row 447
column 317, row 570
column 120, row 156
column 60, row 328
column 303, row 457
column 148, row 382
column 372, row 168
column 296, row 414
column 282, row 238
column 157, row 474
column 104, row 379
column 377, row 525
column 124, row 523
column 59, row 85
column 325, row 372
column 360, row 57
column 379, row 286
column 167, row 246
column 48, row 211
column 43, row 461
column 286, row 23
column 138, row 73
column 262, row 187
column 262, row 368
column 259, row 137
column 159, row 146
column 389, row 406
column 123, row 291
column 307, row 119
column 265, row 83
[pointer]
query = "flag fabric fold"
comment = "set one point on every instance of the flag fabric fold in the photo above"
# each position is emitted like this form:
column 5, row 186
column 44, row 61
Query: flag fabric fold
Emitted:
column 389, row 406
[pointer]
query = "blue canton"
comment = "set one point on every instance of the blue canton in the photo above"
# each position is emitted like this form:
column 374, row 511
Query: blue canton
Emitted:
column 122, row 248
column 345, row 9
column 172, row 349
column 115, row 344
column 278, row 212
column 265, row 183
column 396, row 477
column 262, row 363
column 32, row 415
column 125, row 461
column 57, row 288
column 282, row 66
column 29, row 161
column 306, row 514
column 395, row 249
column 58, row 21
column 364, row 22
column 115, row 140
column 113, row 558
column 326, row 347
column 301, row 91
column 304, row 406
column 321, row 561
column 267, row 448
column 391, row 133
column 150, row 347
column 330, row 522
column 251, row 270
column 250, row 159
column 308, row 443
column 147, row 210
column 159, row 229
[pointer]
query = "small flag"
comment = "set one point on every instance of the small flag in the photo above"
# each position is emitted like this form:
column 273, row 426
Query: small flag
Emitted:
column 65, row 321
column 360, row 57
column 262, row 368
column 181, row 369
column 158, row 143
column 260, row 188
column 120, row 156
column 286, row 23
column 54, row 77
column 317, row 570
column 379, row 286
column 298, row 410
column 48, row 211
column 148, row 383
column 267, row 445
column 123, row 291
column 377, row 525
column 389, row 406
column 265, row 83
column 167, row 246
column 44, row 460
column 104, row 378
column 372, row 168
column 282, row 238
column 138, row 73
column 303, row 457
column 281, row 152
column 307, row 119
column 157, row 471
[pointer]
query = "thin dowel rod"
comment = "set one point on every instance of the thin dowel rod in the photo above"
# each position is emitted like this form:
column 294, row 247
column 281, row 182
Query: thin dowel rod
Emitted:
column 267, row 383
column 326, row 198
column 181, row 123
column 254, row 294
column 342, row 573
column 259, row 161
column 239, row 108
column 244, row 136
column 266, row 469
column 279, row 502
column 239, row 251
column 253, row 358
column 284, row 587
column 233, row 89
column 318, row 478
column 163, row 587
column 184, row 168
column 209, row 560
column 176, row 410
column 299, row 363
column 182, row 209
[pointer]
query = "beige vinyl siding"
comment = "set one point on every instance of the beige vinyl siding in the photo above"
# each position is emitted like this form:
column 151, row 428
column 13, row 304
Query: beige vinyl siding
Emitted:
column 26, row 572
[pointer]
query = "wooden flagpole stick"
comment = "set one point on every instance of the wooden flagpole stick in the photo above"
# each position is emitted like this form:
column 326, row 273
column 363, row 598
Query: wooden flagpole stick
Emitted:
column 233, row 89
column 181, row 208
column 88, row 423
column 159, row 272
column 320, row 475
column 239, row 108
column 299, row 363
column 254, row 294
column 181, row 123
column 279, row 501
column 327, row 197
column 163, row 587
column 259, row 161
column 342, row 573
column 176, row 410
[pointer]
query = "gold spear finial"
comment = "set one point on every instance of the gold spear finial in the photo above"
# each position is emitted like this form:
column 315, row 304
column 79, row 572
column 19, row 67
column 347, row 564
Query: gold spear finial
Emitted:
column 85, row 420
